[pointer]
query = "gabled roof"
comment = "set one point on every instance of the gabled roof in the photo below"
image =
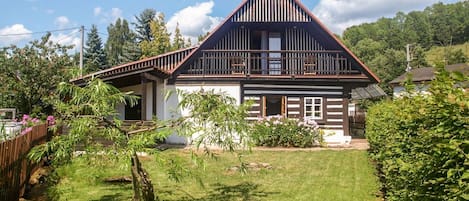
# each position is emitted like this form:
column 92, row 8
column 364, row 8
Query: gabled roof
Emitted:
column 161, row 65
column 248, row 11
column 295, row 11
column 428, row 73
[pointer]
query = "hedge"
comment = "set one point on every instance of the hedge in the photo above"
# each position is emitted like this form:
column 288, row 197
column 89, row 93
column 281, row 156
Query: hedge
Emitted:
column 421, row 142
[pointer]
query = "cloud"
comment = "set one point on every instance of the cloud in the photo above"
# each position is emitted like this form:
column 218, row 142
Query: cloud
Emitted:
column 340, row 14
column 109, row 16
column 50, row 11
column 97, row 11
column 194, row 20
column 14, row 34
column 72, row 38
column 61, row 21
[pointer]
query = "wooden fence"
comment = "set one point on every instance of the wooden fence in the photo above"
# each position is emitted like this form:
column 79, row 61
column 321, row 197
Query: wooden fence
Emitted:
column 15, row 168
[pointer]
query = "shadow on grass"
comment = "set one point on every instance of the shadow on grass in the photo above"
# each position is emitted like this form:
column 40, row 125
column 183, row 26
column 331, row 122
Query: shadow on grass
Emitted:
column 245, row 191
column 118, row 196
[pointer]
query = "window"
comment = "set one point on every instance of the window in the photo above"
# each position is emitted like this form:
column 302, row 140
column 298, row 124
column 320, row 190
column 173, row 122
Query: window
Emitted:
column 313, row 107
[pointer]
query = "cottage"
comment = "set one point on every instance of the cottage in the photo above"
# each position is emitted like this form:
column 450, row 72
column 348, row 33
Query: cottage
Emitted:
column 422, row 76
column 273, row 52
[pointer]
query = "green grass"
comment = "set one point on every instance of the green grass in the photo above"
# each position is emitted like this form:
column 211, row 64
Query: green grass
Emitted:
column 436, row 53
column 320, row 175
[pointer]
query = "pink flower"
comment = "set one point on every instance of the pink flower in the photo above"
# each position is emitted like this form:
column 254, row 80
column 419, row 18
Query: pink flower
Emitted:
column 51, row 120
column 35, row 120
column 26, row 117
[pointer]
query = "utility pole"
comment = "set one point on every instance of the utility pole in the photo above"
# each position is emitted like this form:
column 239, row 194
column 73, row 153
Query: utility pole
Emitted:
column 82, row 31
column 409, row 58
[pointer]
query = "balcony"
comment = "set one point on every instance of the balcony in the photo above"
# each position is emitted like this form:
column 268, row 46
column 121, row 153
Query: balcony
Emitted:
column 260, row 63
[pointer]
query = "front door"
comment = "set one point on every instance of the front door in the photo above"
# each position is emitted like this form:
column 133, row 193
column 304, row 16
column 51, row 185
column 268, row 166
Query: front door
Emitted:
column 135, row 112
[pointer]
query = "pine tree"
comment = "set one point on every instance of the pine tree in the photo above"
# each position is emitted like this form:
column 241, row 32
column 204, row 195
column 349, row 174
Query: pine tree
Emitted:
column 161, row 42
column 94, row 55
column 131, row 49
column 119, row 35
column 142, row 26
column 178, row 41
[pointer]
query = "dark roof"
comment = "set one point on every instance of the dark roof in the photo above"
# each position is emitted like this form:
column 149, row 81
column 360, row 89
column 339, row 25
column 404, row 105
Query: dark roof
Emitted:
column 161, row 64
column 370, row 92
column 297, row 9
column 178, row 58
column 428, row 73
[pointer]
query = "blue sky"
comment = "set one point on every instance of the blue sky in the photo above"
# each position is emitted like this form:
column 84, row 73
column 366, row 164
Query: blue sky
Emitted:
column 194, row 16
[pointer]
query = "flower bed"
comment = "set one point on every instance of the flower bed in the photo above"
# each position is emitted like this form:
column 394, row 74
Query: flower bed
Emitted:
column 277, row 131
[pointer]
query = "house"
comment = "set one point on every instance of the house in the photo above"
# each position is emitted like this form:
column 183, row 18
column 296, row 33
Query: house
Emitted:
column 422, row 76
column 275, row 53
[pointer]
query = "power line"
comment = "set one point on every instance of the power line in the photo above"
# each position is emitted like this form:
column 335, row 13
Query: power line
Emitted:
column 39, row 32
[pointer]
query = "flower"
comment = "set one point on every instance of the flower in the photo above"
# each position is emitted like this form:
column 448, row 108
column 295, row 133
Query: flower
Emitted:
column 51, row 120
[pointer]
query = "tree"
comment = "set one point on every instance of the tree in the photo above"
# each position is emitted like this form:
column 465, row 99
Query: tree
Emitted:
column 178, row 41
column 388, row 66
column 131, row 51
column 202, row 37
column 119, row 35
column 455, row 56
column 142, row 26
column 94, row 56
column 161, row 42
column 28, row 75
column 90, row 113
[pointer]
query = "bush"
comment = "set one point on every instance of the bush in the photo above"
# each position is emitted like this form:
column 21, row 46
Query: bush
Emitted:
column 278, row 131
column 421, row 142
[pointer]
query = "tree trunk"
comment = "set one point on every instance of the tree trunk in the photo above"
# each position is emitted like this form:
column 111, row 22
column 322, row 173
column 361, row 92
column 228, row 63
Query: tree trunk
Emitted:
column 143, row 189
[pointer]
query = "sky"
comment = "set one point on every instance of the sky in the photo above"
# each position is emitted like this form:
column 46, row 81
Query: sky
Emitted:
column 25, row 20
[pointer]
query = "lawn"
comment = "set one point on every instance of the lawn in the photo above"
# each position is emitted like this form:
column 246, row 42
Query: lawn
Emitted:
column 295, row 175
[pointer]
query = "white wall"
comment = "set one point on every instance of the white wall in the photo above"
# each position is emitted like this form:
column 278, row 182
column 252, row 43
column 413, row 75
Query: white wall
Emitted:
column 171, row 105
column 137, row 90
column 399, row 91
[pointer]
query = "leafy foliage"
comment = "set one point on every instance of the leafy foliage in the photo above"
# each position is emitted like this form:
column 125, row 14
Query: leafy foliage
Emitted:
column 178, row 41
column 120, row 36
column 381, row 45
column 95, row 131
column 284, row 132
column 161, row 42
column 421, row 142
column 28, row 75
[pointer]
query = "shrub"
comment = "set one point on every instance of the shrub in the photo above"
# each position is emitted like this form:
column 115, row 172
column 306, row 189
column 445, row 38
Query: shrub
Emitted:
column 421, row 142
column 278, row 131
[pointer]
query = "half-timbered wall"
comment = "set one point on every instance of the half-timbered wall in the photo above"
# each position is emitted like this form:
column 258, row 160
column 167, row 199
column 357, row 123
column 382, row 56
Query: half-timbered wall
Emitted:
column 271, row 11
column 334, row 110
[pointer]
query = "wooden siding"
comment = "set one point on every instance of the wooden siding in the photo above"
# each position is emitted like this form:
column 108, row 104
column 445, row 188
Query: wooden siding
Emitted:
column 292, row 90
column 271, row 11
column 299, row 43
column 256, row 110
column 301, row 54
column 15, row 167
column 294, row 109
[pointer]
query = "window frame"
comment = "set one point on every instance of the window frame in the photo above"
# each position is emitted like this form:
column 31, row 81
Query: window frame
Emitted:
column 313, row 105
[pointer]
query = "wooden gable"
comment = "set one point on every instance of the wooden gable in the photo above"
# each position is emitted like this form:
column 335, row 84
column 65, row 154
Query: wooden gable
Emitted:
column 313, row 45
column 271, row 11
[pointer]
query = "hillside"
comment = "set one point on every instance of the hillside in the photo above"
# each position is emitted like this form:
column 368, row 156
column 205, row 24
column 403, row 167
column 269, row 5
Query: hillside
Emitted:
column 439, row 33
column 436, row 53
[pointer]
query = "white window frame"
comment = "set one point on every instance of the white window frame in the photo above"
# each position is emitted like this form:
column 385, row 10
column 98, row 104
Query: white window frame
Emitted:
column 313, row 106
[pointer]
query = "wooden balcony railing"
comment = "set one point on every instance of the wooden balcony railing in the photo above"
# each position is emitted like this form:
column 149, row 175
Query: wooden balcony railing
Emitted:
column 271, row 63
